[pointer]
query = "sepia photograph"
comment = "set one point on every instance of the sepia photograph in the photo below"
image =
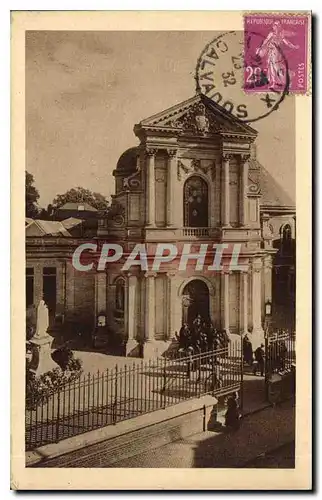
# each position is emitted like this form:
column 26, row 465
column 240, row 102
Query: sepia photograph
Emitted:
column 160, row 254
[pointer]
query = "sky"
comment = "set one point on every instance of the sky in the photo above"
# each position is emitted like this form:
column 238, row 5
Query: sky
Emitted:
column 85, row 91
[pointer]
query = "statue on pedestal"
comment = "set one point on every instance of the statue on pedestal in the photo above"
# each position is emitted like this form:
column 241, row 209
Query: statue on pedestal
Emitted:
column 42, row 361
column 42, row 320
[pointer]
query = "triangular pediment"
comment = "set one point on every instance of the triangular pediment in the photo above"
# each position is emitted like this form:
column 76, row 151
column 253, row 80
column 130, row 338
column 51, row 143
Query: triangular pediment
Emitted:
column 199, row 116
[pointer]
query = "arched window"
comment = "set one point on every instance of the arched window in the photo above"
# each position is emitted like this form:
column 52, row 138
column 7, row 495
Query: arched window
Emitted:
column 286, row 236
column 195, row 202
column 119, row 297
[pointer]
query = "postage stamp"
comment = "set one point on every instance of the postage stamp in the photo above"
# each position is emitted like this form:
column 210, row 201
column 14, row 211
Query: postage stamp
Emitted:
column 276, row 53
column 220, row 77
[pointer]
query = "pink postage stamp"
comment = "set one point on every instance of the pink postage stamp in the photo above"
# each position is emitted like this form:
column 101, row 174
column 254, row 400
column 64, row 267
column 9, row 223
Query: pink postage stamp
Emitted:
column 276, row 53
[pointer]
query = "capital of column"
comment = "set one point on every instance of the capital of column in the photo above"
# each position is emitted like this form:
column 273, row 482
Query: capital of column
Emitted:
column 171, row 153
column 151, row 151
column 150, row 275
column 130, row 275
column 256, row 267
column 243, row 158
column 171, row 274
column 227, row 157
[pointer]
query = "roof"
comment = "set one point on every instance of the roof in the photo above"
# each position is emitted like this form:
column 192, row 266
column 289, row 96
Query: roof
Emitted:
column 71, row 222
column 273, row 195
column 178, row 117
column 75, row 206
column 128, row 159
column 40, row 227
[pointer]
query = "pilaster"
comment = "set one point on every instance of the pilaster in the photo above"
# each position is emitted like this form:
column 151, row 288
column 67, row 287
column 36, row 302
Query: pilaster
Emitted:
column 244, row 167
column 226, row 190
column 172, row 173
column 150, row 186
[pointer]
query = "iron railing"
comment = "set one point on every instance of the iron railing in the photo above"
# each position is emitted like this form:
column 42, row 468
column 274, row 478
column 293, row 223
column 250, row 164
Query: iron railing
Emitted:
column 279, row 352
column 101, row 399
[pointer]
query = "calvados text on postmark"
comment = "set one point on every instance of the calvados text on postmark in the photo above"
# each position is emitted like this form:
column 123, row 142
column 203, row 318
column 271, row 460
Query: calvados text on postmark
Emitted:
column 276, row 54
column 220, row 76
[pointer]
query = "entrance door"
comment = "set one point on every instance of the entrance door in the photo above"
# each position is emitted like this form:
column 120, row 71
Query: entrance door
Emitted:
column 195, row 301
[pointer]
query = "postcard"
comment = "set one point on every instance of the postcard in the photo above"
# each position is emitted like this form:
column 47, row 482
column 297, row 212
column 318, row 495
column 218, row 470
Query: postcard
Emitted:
column 161, row 295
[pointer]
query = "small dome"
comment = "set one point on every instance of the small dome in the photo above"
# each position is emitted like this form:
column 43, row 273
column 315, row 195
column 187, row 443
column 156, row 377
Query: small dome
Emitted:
column 127, row 161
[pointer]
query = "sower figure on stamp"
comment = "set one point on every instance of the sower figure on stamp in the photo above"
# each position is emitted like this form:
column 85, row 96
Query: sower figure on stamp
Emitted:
column 275, row 60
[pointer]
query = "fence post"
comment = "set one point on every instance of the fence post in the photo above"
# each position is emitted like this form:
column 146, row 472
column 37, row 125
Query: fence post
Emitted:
column 58, row 416
column 115, row 395
column 266, row 366
column 241, row 375
column 164, row 382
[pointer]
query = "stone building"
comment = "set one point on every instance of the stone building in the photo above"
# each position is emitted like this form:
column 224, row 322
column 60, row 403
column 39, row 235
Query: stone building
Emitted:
column 193, row 179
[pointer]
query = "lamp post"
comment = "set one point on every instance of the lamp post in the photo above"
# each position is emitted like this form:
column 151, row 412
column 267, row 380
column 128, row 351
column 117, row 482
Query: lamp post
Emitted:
column 268, row 315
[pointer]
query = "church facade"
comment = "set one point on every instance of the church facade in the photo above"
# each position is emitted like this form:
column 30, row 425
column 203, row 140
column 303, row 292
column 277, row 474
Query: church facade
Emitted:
column 194, row 179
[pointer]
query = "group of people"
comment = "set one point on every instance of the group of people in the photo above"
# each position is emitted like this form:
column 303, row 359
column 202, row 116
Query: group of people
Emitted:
column 275, row 359
column 201, row 335
column 249, row 355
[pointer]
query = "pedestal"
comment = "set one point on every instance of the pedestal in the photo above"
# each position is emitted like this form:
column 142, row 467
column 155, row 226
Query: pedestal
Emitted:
column 131, row 347
column 42, row 361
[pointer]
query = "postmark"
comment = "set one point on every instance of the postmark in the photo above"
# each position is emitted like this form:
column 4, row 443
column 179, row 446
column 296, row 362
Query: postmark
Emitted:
column 276, row 53
column 220, row 73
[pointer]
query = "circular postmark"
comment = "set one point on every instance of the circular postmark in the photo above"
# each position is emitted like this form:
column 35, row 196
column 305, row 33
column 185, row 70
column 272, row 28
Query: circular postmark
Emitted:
column 221, row 75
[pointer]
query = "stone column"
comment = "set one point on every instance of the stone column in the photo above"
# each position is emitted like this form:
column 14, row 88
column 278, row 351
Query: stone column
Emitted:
column 225, row 292
column 38, row 283
column 172, row 173
column 173, row 307
column 244, row 300
column 225, row 190
column 150, row 187
column 100, row 280
column 149, row 306
column 243, row 189
column 258, row 333
column 70, row 292
column 268, row 279
column 131, row 312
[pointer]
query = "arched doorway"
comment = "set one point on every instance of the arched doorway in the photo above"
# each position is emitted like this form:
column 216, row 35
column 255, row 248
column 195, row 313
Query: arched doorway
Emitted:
column 195, row 202
column 195, row 300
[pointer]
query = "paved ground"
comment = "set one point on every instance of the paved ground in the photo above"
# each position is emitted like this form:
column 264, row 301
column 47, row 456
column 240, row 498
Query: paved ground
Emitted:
column 282, row 457
column 260, row 432
column 98, row 361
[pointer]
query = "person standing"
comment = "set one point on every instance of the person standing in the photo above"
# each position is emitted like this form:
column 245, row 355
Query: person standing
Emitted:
column 247, row 350
column 233, row 414
column 259, row 358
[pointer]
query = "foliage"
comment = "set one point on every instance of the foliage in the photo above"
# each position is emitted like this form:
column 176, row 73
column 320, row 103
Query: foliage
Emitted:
column 40, row 388
column 81, row 195
column 31, row 196
column 46, row 213
column 63, row 356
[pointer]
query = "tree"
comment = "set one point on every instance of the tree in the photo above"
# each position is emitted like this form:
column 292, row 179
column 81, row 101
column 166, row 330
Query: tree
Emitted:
column 32, row 196
column 81, row 195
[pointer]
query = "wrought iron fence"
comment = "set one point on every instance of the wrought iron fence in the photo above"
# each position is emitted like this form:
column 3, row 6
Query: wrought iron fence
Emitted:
column 279, row 353
column 101, row 399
